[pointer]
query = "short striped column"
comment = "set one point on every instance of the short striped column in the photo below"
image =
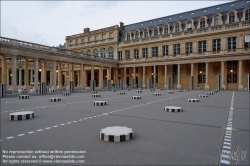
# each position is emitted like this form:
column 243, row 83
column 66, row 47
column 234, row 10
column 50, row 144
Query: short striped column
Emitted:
column 65, row 93
column 55, row 99
column 139, row 91
column 100, row 103
column 121, row 93
column 156, row 94
column 203, row 95
column 170, row 91
column 23, row 115
column 136, row 97
column 23, row 96
column 193, row 100
column 96, row 95
column 173, row 109
column 116, row 134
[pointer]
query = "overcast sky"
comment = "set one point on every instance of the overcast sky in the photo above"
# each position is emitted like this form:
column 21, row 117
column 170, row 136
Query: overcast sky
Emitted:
column 48, row 23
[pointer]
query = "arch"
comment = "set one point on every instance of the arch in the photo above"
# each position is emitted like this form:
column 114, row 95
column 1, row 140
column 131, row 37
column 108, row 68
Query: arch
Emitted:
column 111, row 52
column 201, row 19
column 230, row 15
column 217, row 19
column 128, row 36
column 96, row 52
column 246, row 14
column 177, row 27
column 103, row 52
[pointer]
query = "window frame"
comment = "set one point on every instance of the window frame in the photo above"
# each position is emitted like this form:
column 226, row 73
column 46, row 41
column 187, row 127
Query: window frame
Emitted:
column 202, row 46
column 231, row 43
column 144, row 52
column 127, row 54
column 176, row 49
column 202, row 23
column 231, row 18
column 165, row 50
column 136, row 53
column 154, row 51
column 189, row 47
column 119, row 55
column 216, row 44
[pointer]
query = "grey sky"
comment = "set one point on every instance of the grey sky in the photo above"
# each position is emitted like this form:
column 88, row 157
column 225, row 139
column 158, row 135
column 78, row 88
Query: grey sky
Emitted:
column 48, row 23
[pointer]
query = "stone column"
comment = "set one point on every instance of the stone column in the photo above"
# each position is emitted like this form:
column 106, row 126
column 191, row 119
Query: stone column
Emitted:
column 8, row 78
column 51, row 77
column 26, row 73
column 73, row 72
column 125, row 78
column 78, row 78
column 101, row 77
column 154, row 77
column 207, row 81
column 81, row 76
column 54, row 76
column 44, row 72
column 31, row 75
column 60, row 75
column 20, row 77
column 4, row 69
column 36, row 75
column 109, row 73
column 143, row 76
column 14, row 81
column 179, row 76
column 240, row 86
column 165, row 76
column 222, row 75
column 134, row 76
column 192, row 69
column 92, row 72
column 69, row 76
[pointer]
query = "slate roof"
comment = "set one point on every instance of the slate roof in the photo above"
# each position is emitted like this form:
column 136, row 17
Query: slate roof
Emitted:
column 207, row 11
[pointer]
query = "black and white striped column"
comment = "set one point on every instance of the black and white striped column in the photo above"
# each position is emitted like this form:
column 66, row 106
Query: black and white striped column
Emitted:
column 71, row 86
column 2, row 90
column 116, row 134
column 43, row 88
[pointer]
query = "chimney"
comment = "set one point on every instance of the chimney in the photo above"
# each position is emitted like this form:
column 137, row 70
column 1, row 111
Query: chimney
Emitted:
column 86, row 30
column 121, row 24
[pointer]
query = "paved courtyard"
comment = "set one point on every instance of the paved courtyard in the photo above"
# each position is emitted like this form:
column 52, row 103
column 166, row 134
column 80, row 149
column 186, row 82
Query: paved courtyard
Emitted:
column 192, row 137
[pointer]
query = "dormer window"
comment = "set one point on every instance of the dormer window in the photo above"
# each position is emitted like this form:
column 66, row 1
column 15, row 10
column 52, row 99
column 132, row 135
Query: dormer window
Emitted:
column 232, row 4
column 231, row 18
column 202, row 23
column 146, row 33
column 189, row 25
column 169, row 18
column 136, row 35
column 155, row 31
column 177, row 28
column 247, row 15
column 218, row 7
column 150, row 22
column 159, row 20
column 128, row 36
column 180, row 15
column 166, row 29
column 205, row 10
column 192, row 13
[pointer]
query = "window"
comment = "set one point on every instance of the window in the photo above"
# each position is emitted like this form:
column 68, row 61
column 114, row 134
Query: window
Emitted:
column 70, row 42
column 103, row 36
column 177, row 27
column 202, row 46
column 82, row 40
column 136, row 35
column 189, row 47
column 247, row 41
column 216, row 44
column 119, row 55
column 175, row 73
column 164, row 50
column 202, row 23
column 247, row 15
column 216, row 20
column 96, row 52
column 166, row 29
column 136, row 53
column 111, row 52
column 146, row 33
column 189, row 25
column 155, row 31
column 201, row 72
column 89, row 39
column 128, row 36
column 145, row 52
column 89, row 52
column 103, row 53
column 127, row 70
column 231, row 18
column 231, row 43
column 96, row 38
column 111, row 35
column 154, row 51
column 76, row 41
column 232, row 71
column 176, row 49
column 127, row 53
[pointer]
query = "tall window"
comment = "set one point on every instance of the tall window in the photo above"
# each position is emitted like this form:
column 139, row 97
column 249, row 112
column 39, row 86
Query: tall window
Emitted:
column 103, row 53
column 164, row 50
column 145, row 52
column 231, row 43
column 216, row 20
column 155, row 31
column 177, row 27
column 111, row 52
column 111, row 35
column 202, row 46
column 96, row 52
column 189, row 25
column 128, row 36
column 127, row 54
column 232, row 71
column 136, row 53
column 201, row 72
column 136, row 35
column 103, row 36
column 89, row 39
column 166, row 29
column 231, row 17
column 175, row 73
column 119, row 55
column 176, row 49
column 146, row 33
column 247, row 41
column 202, row 23
column 82, row 40
column 216, row 44
column 154, row 51
column 247, row 15
column 76, row 41
column 189, row 47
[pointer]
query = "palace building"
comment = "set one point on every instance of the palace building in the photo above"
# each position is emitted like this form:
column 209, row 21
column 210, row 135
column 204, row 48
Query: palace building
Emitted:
column 206, row 48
